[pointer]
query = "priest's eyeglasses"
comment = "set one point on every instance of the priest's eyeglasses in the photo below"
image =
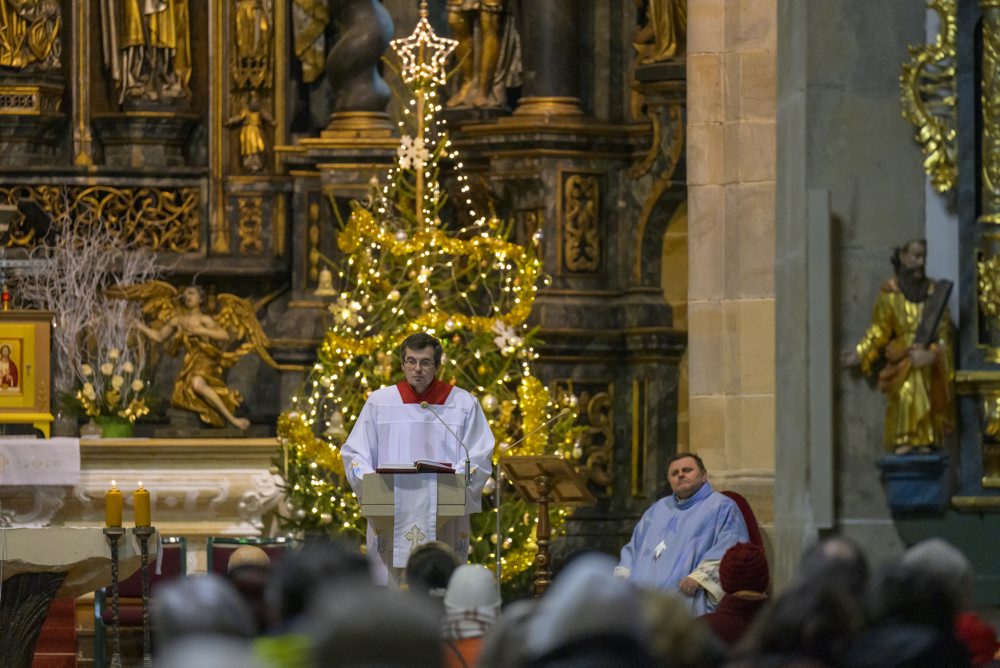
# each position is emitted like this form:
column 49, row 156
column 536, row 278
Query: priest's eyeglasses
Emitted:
column 412, row 363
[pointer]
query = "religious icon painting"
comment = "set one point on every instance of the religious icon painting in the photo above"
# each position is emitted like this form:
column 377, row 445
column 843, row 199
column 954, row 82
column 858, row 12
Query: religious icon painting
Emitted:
column 25, row 385
column 11, row 362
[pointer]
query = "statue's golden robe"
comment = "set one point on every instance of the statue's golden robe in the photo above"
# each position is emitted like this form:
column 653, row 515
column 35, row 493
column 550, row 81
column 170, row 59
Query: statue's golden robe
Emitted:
column 920, row 404
column 202, row 358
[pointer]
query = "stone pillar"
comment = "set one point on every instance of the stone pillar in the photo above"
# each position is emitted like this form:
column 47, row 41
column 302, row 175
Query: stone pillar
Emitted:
column 549, row 44
column 731, row 188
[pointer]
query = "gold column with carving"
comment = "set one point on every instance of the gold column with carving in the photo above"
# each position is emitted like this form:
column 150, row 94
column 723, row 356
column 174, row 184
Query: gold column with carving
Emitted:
column 990, row 141
column 988, row 223
column 83, row 139
column 986, row 384
column 218, row 225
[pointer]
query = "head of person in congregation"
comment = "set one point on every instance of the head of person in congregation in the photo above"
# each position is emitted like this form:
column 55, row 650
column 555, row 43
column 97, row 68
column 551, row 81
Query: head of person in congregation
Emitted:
column 680, row 540
column 200, row 606
column 249, row 571
column 421, row 357
column 428, row 571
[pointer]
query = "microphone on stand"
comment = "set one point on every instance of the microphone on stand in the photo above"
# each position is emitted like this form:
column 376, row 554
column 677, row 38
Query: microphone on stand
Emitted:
column 468, row 463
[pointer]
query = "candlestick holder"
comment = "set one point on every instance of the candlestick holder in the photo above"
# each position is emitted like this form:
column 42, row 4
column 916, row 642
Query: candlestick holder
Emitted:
column 144, row 534
column 114, row 534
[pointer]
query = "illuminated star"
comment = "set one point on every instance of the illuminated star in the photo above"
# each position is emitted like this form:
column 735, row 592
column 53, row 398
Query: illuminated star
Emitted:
column 659, row 550
column 423, row 53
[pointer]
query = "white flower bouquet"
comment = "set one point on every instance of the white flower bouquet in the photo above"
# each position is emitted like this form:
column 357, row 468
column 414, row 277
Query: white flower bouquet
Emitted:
column 114, row 388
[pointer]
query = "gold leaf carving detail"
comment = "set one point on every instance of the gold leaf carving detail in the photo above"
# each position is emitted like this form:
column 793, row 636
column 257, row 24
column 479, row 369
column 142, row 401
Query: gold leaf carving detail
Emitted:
column 600, row 435
column 928, row 95
column 581, row 232
column 251, row 225
column 988, row 279
column 161, row 219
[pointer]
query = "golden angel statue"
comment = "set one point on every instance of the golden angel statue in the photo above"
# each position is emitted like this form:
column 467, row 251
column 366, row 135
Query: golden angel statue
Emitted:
column 178, row 321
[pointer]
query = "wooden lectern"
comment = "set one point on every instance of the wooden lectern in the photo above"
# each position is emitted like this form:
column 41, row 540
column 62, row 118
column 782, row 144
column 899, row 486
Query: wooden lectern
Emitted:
column 543, row 480
column 377, row 499
column 378, row 503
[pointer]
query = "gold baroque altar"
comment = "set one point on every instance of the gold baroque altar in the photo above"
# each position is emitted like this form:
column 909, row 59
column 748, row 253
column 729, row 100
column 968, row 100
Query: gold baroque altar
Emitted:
column 229, row 137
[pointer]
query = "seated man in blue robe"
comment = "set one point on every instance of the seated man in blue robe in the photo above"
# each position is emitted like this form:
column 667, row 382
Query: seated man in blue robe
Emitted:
column 679, row 542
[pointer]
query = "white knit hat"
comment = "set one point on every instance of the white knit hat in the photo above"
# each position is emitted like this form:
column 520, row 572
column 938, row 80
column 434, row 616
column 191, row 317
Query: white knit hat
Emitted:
column 472, row 586
column 472, row 602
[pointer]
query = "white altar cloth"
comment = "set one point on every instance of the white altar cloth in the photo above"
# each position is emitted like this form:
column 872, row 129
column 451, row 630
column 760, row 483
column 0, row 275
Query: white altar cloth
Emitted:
column 37, row 461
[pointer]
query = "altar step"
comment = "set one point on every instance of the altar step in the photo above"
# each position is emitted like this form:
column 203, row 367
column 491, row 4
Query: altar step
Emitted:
column 56, row 646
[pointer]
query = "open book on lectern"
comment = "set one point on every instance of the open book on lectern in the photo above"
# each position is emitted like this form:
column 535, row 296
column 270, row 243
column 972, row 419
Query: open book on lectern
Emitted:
column 419, row 466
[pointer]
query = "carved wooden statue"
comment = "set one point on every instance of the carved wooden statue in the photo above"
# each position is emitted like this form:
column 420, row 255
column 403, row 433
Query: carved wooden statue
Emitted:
column 205, row 338
column 488, row 53
column 912, row 332
column 147, row 47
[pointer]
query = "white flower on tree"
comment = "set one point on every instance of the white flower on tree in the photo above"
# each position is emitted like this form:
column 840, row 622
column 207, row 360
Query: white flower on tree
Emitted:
column 412, row 152
column 506, row 340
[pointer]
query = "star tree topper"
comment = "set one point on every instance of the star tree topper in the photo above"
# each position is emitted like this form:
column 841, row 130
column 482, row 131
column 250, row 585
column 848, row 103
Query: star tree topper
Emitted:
column 423, row 53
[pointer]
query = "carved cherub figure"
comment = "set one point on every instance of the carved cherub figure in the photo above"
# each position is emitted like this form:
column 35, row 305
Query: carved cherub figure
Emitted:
column 178, row 321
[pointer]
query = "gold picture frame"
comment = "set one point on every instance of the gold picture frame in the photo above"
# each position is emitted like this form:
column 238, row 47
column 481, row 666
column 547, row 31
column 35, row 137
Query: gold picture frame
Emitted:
column 25, row 368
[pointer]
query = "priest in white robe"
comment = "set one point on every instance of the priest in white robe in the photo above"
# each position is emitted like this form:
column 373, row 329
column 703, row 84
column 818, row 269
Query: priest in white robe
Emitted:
column 680, row 540
column 420, row 418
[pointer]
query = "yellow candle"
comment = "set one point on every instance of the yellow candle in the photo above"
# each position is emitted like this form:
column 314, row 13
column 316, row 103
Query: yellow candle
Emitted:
column 140, row 499
column 113, row 506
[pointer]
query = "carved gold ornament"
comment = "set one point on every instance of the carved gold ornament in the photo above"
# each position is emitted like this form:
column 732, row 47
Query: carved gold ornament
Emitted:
column 581, row 240
column 991, row 414
column 928, row 95
column 253, row 36
column 988, row 279
column 160, row 219
column 251, row 225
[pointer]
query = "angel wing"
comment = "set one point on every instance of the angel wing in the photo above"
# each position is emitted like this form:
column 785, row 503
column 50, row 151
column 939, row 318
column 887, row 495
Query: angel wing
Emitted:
column 239, row 317
column 159, row 299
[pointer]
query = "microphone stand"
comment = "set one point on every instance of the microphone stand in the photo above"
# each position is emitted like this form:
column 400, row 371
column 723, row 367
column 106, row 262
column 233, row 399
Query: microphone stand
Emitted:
column 468, row 462
column 499, row 534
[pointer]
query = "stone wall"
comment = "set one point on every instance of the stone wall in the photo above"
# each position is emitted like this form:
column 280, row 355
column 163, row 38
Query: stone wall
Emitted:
column 839, row 132
column 731, row 181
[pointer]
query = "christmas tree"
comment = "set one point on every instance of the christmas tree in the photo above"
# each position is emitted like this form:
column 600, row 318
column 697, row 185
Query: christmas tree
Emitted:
column 468, row 284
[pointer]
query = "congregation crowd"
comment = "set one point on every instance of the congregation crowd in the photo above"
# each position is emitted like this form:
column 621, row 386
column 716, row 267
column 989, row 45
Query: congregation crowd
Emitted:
column 317, row 606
